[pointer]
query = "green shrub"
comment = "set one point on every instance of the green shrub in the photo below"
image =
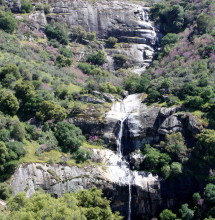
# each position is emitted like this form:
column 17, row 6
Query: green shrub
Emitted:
column 18, row 131
column 7, row 22
column 58, row 32
column 62, row 61
column 15, row 150
column 111, row 42
column 50, row 110
column 26, row 6
column 81, row 155
column 120, row 60
column 86, row 68
column 98, row 58
column 5, row 191
column 69, row 136
column 167, row 215
column 9, row 103
column 107, row 87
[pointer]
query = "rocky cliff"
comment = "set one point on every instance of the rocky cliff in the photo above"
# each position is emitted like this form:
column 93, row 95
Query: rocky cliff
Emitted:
column 128, row 22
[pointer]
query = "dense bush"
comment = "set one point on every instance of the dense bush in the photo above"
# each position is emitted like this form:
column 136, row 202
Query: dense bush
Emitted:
column 9, row 103
column 97, row 58
column 85, row 204
column 26, row 6
column 58, row 32
column 120, row 60
column 50, row 110
column 7, row 22
column 69, row 136
column 111, row 42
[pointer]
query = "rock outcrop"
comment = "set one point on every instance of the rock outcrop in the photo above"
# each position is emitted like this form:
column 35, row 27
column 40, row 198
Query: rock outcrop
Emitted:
column 147, row 125
column 110, row 176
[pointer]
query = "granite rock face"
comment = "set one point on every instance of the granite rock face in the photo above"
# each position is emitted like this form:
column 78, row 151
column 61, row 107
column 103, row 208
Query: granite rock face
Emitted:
column 110, row 176
column 147, row 125
column 126, row 21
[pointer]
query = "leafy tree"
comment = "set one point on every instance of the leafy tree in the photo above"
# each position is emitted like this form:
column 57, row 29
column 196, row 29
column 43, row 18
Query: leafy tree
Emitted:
column 58, row 32
column 86, row 67
column 196, row 198
column 49, row 140
column 205, row 23
column 167, row 214
column 5, row 191
column 24, row 90
column 69, row 136
column 15, row 150
column 176, row 168
column 62, row 61
column 185, row 212
column 107, row 87
column 175, row 145
column 9, row 103
column 4, row 135
column 10, row 69
column 97, row 58
column 120, row 60
column 153, row 94
column 154, row 159
column 26, row 6
column 18, row 131
column 169, row 39
column 81, row 155
column 205, row 147
column 7, row 22
column 3, row 155
column 209, row 193
column 50, row 110
column 111, row 42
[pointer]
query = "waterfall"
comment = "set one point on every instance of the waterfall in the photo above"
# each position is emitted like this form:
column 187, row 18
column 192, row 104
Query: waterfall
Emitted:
column 124, row 164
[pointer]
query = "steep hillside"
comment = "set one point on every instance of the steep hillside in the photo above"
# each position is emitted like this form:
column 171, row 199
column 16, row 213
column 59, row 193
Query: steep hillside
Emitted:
column 114, row 95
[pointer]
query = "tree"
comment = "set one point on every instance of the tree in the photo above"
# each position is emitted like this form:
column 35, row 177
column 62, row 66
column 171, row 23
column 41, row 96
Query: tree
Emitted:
column 120, row 60
column 176, row 168
column 111, row 42
column 167, row 214
column 175, row 145
column 9, row 103
column 24, row 90
column 50, row 110
column 58, row 32
column 69, row 136
column 205, row 23
column 18, row 131
column 185, row 212
column 205, row 147
column 3, row 155
column 10, row 69
column 5, row 191
column 97, row 58
column 209, row 193
column 7, row 22
column 26, row 6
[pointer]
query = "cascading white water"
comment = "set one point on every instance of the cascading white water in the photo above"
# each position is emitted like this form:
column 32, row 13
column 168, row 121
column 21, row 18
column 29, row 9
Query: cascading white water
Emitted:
column 124, row 163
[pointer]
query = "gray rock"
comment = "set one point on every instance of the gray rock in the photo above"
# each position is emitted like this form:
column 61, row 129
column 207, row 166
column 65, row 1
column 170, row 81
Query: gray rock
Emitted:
column 108, row 97
column 89, row 99
column 171, row 124
column 193, row 125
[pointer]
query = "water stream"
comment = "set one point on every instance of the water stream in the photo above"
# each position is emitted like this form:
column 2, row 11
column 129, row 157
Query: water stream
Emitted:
column 124, row 163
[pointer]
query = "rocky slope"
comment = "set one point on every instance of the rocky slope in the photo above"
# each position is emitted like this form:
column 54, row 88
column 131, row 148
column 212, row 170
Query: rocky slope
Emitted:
column 141, row 124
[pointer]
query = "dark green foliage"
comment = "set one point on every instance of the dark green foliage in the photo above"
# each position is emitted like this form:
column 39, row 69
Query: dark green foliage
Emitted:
column 185, row 212
column 210, row 193
column 3, row 155
column 108, row 87
column 50, row 110
column 26, row 6
column 47, row 138
column 9, row 103
column 65, row 52
column 7, row 22
column 120, row 60
column 205, row 23
column 5, row 191
column 58, row 32
column 86, row 68
column 97, row 58
column 85, row 204
column 24, row 90
column 79, row 34
column 69, row 136
column 81, row 155
column 15, row 150
column 4, row 135
column 111, row 42
column 62, row 61
column 167, row 215
column 18, row 131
